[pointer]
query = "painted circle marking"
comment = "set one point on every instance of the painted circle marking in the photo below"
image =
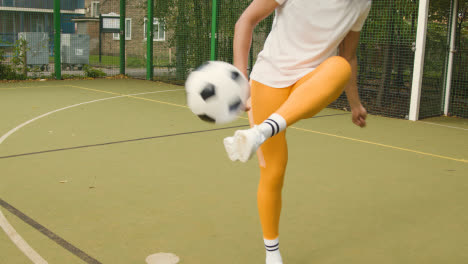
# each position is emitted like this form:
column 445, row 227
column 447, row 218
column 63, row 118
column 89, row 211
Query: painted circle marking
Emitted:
column 162, row 258
column 6, row 226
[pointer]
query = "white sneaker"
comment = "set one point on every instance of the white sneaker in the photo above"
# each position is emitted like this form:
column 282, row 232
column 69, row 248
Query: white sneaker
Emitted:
column 244, row 144
column 274, row 259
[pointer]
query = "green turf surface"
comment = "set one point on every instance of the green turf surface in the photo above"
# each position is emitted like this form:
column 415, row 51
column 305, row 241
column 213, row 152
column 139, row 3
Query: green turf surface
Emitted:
column 345, row 200
column 447, row 121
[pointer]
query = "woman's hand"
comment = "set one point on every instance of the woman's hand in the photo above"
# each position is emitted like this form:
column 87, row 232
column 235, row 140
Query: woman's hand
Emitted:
column 359, row 115
column 248, row 105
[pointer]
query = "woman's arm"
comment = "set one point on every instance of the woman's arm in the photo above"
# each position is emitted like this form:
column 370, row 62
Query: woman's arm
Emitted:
column 348, row 49
column 255, row 12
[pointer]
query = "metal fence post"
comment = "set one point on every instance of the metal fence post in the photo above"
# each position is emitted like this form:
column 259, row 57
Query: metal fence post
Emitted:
column 149, row 42
column 448, row 81
column 57, row 31
column 122, row 37
column 100, row 38
column 214, row 24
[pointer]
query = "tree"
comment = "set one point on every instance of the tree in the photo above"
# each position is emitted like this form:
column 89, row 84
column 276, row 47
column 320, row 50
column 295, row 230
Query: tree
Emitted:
column 386, row 40
column 189, row 22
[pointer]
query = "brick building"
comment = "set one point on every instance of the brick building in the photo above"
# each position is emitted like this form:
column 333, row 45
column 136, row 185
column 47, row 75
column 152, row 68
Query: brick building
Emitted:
column 135, row 35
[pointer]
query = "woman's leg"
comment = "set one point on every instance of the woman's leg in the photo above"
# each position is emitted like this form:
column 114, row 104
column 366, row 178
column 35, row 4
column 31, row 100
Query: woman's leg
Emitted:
column 316, row 90
column 272, row 156
column 308, row 96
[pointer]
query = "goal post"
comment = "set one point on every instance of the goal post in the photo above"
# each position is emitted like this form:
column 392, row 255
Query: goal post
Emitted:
column 423, row 14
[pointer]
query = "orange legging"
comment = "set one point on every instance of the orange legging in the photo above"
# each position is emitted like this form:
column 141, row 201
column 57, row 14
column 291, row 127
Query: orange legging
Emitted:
column 302, row 100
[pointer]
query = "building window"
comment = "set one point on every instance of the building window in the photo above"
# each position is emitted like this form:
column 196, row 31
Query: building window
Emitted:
column 8, row 3
column 37, row 23
column 40, row 25
column 95, row 9
column 159, row 30
column 128, row 30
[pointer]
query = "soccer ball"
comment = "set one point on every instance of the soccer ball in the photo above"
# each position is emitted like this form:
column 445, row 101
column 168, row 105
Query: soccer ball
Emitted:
column 217, row 92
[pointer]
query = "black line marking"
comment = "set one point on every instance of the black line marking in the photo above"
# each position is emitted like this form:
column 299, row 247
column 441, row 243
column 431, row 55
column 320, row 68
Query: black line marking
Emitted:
column 117, row 142
column 138, row 139
column 62, row 242
column 57, row 239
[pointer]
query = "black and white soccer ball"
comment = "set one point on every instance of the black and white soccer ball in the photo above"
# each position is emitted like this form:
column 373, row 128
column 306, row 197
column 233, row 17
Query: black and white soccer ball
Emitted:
column 217, row 92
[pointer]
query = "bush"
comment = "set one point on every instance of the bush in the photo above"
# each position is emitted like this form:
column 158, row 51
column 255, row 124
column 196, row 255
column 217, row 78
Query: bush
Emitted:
column 93, row 73
column 7, row 72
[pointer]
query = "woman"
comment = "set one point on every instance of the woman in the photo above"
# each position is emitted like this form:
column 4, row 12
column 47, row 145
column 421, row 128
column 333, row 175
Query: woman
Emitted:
column 308, row 59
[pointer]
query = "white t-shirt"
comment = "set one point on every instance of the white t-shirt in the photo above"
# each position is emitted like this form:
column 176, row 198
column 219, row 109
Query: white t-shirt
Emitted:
column 304, row 34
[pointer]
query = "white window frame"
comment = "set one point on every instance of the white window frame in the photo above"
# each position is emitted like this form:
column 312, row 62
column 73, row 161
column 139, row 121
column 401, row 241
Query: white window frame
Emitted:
column 155, row 24
column 128, row 31
column 93, row 9
column 39, row 24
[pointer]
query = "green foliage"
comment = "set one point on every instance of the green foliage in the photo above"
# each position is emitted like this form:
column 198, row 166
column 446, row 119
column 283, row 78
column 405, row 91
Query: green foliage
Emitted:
column 391, row 22
column 19, row 59
column 440, row 10
column 189, row 22
column 71, row 76
column 134, row 62
column 7, row 71
column 93, row 73
column 17, row 69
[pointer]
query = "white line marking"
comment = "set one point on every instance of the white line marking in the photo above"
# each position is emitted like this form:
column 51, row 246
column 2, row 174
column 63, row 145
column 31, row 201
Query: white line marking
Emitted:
column 9, row 133
column 6, row 226
column 443, row 125
column 19, row 241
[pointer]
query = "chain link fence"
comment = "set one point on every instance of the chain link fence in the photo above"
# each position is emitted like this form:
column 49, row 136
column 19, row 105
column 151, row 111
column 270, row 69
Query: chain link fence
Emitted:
column 27, row 45
column 385, row 58
column 435, row 62
column 184, row 38
column 26, row 38
column 458, row 105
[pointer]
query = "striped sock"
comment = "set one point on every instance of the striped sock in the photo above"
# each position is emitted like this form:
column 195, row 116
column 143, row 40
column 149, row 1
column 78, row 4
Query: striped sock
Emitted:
column 273, row 255
column 273, row 125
